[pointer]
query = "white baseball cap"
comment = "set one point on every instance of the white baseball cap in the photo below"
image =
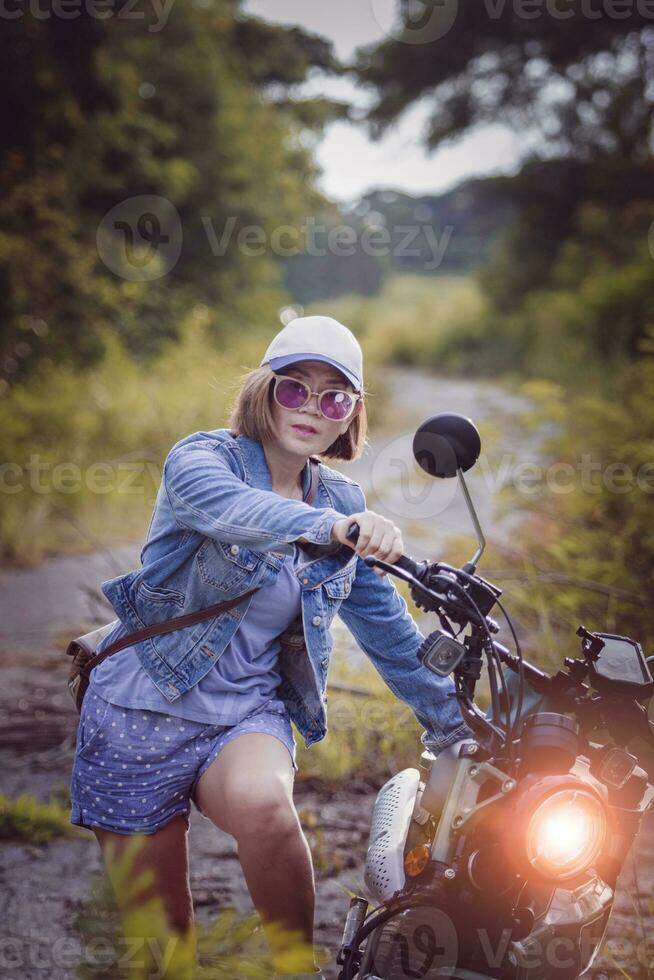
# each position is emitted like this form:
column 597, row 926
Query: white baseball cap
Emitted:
column 317, row 338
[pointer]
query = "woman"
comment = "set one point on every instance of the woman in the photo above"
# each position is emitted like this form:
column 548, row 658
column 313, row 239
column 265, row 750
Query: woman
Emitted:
column 203, row 713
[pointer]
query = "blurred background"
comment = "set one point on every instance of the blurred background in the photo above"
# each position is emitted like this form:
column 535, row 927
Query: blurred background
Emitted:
column 469, row 187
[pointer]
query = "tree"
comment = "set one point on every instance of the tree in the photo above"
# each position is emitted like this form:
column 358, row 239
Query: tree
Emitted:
column 578, row 73
column 197, row 113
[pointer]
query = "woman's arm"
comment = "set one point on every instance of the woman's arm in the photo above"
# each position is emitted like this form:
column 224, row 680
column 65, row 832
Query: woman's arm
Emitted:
column 207, row 496
column 379, row 619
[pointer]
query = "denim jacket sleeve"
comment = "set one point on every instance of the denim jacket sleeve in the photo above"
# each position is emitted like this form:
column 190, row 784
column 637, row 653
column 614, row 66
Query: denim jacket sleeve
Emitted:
column 379, row 619
column 206, row 495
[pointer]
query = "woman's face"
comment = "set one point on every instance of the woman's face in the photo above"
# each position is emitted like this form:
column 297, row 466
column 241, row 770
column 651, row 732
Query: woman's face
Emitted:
column 318, row 376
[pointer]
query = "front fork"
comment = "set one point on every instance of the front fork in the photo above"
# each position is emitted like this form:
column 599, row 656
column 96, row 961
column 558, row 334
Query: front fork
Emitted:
column 353, row 922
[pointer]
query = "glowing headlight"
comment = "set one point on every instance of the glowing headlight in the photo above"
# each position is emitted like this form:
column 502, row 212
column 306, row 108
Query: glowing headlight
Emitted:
column 565, row 833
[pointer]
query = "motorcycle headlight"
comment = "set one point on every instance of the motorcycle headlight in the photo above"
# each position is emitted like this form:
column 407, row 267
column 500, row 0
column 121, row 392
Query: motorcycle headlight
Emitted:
column 565, row 833
column 553, row 826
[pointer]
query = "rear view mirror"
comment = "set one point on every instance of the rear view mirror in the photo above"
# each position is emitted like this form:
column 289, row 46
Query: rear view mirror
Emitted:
column 445, row 446
column 446, row 443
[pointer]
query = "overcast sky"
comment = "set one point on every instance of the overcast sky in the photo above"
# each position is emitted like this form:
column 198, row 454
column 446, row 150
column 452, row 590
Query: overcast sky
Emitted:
column 351, row 163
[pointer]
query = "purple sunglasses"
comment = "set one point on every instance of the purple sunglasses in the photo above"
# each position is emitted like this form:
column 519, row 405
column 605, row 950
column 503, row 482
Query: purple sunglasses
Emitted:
column 334, row 403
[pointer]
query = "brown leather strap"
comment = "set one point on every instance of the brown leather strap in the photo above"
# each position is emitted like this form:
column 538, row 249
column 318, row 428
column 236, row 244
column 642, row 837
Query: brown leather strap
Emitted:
column 313, row 486
column 188, row 619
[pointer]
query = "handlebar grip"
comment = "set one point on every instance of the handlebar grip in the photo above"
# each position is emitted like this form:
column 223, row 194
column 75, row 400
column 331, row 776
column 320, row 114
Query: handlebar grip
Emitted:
column 353, row 532
column 408, row 565
column 403, row 562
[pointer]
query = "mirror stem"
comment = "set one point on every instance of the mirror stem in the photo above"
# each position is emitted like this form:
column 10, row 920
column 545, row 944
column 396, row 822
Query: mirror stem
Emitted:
column 471, row 565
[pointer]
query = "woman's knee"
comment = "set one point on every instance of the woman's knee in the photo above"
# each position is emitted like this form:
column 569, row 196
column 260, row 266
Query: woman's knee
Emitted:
column 249, row 787
column 263, row 812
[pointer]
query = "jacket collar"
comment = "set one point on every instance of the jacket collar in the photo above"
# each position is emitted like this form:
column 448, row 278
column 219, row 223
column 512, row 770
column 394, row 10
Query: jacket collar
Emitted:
column 257, row 473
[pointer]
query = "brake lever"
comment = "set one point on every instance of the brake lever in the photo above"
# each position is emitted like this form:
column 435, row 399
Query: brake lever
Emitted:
column 386, row 566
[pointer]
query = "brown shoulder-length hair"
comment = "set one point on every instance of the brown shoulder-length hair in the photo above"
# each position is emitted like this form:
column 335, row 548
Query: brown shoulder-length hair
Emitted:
column 251, row 416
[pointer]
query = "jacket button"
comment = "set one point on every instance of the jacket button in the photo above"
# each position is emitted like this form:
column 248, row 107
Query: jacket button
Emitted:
column 324, row 661
column 316, row 620
column 234, row 549
column 305, row 581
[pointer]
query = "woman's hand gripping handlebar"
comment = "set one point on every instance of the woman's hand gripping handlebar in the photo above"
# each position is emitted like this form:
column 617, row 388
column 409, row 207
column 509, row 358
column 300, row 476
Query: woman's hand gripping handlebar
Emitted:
column 370, row 534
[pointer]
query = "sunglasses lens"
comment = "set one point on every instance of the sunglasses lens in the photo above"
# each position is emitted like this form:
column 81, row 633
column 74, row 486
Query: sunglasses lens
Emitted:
column 336, row 405
column 291, row 394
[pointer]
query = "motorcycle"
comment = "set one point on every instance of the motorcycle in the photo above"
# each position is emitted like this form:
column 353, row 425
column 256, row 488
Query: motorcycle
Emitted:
column 498, row 858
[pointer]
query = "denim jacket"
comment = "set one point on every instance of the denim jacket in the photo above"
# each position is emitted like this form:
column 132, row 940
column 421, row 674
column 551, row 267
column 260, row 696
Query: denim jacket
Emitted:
column 218, row 530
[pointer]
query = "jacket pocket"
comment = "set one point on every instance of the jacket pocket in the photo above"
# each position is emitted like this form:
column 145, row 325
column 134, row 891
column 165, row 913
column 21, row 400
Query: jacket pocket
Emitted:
column 339, row 588
column 226, row 566
column 150, row 593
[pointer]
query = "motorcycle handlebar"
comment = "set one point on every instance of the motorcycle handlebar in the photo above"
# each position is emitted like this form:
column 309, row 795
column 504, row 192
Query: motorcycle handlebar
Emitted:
column 542, row 682
column 404, row 562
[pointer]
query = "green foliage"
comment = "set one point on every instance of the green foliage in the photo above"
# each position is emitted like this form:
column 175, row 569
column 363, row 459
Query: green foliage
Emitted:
column 586, row 313
column 85, row 454
column 589, row 511
column 388, row 233
column 369, row 737
column 109, row 109
column 409, row 321
column 25, row 819
column 125, row 936
column 327, row 260
column 582, row 81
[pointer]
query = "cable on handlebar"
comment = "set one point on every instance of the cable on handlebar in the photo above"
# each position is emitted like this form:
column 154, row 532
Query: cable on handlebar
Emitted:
column 521, row 670
column 416, row 570
column 490, row 654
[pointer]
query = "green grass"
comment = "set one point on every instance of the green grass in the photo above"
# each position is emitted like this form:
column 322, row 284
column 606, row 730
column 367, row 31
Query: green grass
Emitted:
column 368, row 738
column 411, row 319
column 83, row 455
column 135, row 944
column 26, row 820
column 86, row 453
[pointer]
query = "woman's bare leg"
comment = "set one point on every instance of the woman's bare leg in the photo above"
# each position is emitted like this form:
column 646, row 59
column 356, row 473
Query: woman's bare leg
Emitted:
column 165, row 855
column 247, row 791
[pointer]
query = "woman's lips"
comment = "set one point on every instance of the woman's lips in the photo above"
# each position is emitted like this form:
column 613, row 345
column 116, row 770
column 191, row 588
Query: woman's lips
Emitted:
column 305, row 430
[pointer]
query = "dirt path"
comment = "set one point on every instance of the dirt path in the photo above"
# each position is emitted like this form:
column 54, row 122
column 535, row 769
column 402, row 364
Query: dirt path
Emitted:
column 43, row 887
